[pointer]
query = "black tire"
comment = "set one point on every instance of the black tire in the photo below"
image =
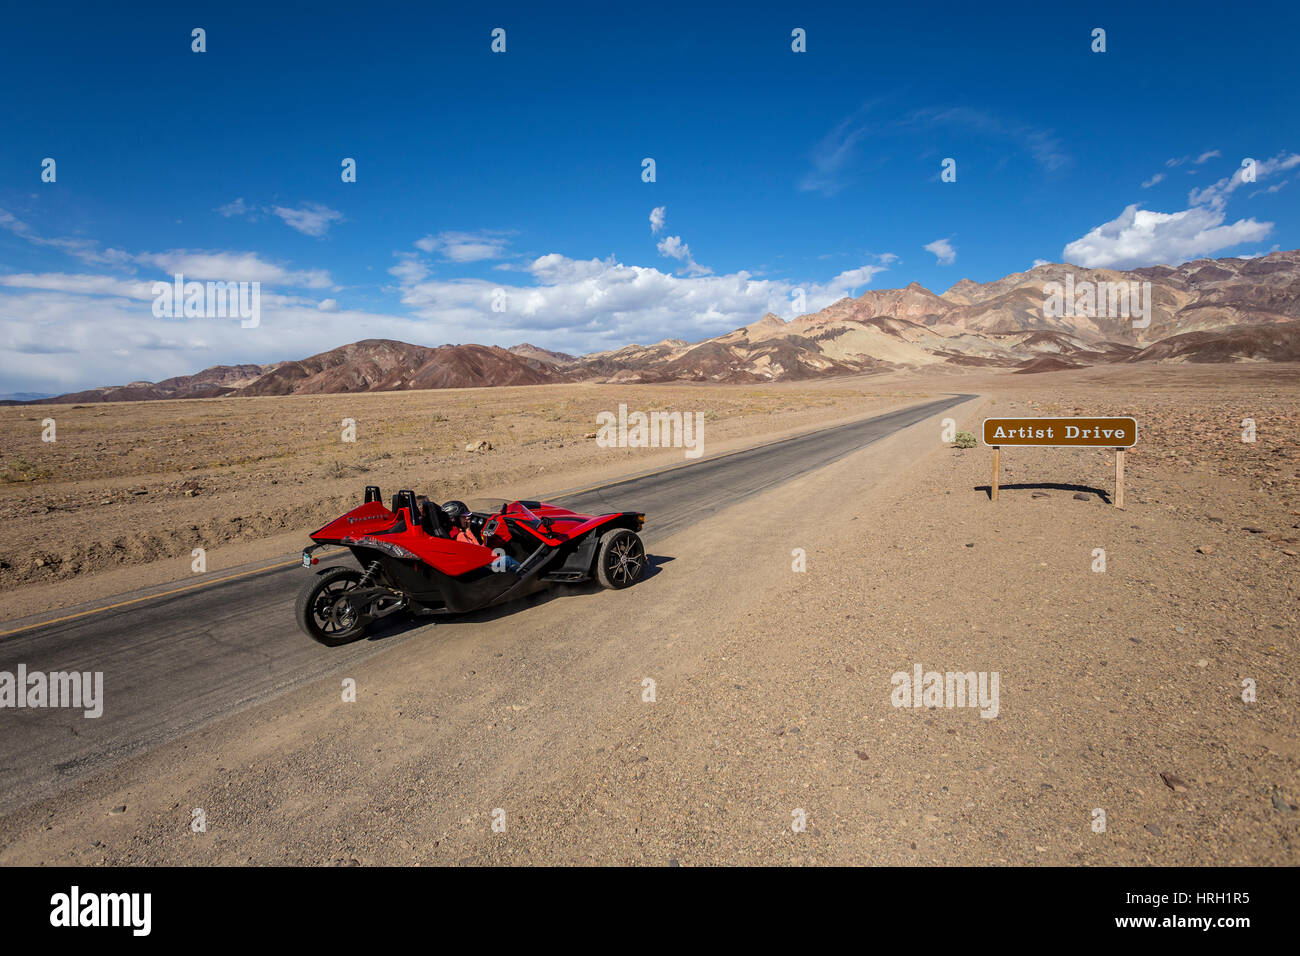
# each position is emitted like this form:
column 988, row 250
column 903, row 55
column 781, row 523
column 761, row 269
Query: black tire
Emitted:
column 315, row 606
column 620, row 559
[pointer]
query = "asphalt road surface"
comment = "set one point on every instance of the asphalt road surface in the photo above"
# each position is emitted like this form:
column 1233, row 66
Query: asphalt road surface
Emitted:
column 178, row 656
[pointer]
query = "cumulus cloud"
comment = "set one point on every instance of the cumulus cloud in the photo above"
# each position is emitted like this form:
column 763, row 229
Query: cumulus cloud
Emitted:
column 657, row 217
column 1143, row 237
column 581, row 305
column 311, row 219
column 465, row 246
column 63, row 333
column 1140, row 237
column 943, row 251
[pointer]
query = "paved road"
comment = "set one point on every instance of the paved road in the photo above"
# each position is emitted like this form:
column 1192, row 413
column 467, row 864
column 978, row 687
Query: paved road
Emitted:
column 177, row 657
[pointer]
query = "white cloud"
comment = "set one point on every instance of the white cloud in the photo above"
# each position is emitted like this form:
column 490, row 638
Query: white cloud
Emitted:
column 1139, row 237
column 232, row 267
column 409, row 268
column 311, row 219
column 236, row 208
column 943, row 251
column 1158, row 177
column 80, row 284
column 582, row 305
column 69, row 341
column 87, row 250
column 1204, row 157
column 1271, row 189
column 675, row 248
column 832, row 157
column 657, row 217
column 62, row 332
column 1217, row 195
column 465, row 246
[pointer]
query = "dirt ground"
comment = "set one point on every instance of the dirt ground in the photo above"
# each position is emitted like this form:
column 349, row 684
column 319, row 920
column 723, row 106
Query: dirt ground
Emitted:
column 1120, row 690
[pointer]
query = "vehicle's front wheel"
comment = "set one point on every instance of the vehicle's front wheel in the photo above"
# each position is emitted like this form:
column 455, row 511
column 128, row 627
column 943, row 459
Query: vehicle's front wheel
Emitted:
column 322, row 615
column 620, row 559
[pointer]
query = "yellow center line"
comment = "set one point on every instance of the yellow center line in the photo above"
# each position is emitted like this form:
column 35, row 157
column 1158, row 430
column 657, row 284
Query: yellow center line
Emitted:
column 150, row 597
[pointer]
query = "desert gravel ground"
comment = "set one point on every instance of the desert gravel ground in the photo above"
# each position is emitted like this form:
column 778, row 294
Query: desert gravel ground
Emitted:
column 772, row 686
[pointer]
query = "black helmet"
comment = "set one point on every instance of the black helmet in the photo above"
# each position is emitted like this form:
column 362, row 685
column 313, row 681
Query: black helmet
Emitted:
column 455, row 509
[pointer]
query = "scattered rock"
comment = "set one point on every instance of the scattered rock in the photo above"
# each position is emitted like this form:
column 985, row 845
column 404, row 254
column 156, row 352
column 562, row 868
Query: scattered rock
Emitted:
column 117, row 811
column 477, row 446
column 1173, row 783
column 1205, row 549
column 1253, row 530
column 1080, row 496
column 1153, row 829
column 1039, row 494
column 1281, row 803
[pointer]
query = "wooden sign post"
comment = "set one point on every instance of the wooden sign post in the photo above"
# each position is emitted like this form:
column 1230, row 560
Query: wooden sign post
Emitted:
column 1117, row 433
column 1119, row 477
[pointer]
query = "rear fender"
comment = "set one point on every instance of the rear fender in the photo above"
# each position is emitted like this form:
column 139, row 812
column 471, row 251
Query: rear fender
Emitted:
column 632, row 520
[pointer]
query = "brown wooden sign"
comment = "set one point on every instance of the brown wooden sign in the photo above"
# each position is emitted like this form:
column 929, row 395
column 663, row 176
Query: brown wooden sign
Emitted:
column 1117, row 433
column 1062, row 432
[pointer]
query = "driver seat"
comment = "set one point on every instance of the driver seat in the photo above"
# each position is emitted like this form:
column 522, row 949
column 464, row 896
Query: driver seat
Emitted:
column 434, row 521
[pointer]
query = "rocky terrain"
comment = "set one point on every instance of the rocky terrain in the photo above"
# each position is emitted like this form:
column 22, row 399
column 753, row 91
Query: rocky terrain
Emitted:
column 1220, row 310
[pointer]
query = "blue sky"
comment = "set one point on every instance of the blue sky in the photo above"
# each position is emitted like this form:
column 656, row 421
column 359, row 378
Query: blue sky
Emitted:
column 522, row 171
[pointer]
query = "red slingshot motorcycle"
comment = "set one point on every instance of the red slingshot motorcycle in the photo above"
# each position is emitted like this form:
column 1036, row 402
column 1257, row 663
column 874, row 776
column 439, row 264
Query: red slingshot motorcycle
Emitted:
column 409, row 562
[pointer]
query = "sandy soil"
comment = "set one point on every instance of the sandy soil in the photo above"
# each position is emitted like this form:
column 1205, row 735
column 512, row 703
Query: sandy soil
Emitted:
column 773, row 687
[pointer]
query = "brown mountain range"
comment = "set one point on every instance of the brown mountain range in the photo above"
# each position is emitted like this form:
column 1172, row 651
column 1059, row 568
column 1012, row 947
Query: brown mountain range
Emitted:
column 1220, row 310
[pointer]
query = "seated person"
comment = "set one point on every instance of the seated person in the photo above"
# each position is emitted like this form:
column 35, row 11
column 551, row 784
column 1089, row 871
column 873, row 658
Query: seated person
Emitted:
column 459, row 514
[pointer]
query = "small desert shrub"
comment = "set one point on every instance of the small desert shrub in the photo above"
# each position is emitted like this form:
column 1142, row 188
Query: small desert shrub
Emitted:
column 965, row 440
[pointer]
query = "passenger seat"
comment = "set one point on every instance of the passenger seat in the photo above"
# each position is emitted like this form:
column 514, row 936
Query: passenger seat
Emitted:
column 434, row 521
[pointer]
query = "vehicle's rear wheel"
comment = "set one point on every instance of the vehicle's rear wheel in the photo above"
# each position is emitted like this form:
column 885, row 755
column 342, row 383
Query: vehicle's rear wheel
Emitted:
column 320, row 612
column 620, row 559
